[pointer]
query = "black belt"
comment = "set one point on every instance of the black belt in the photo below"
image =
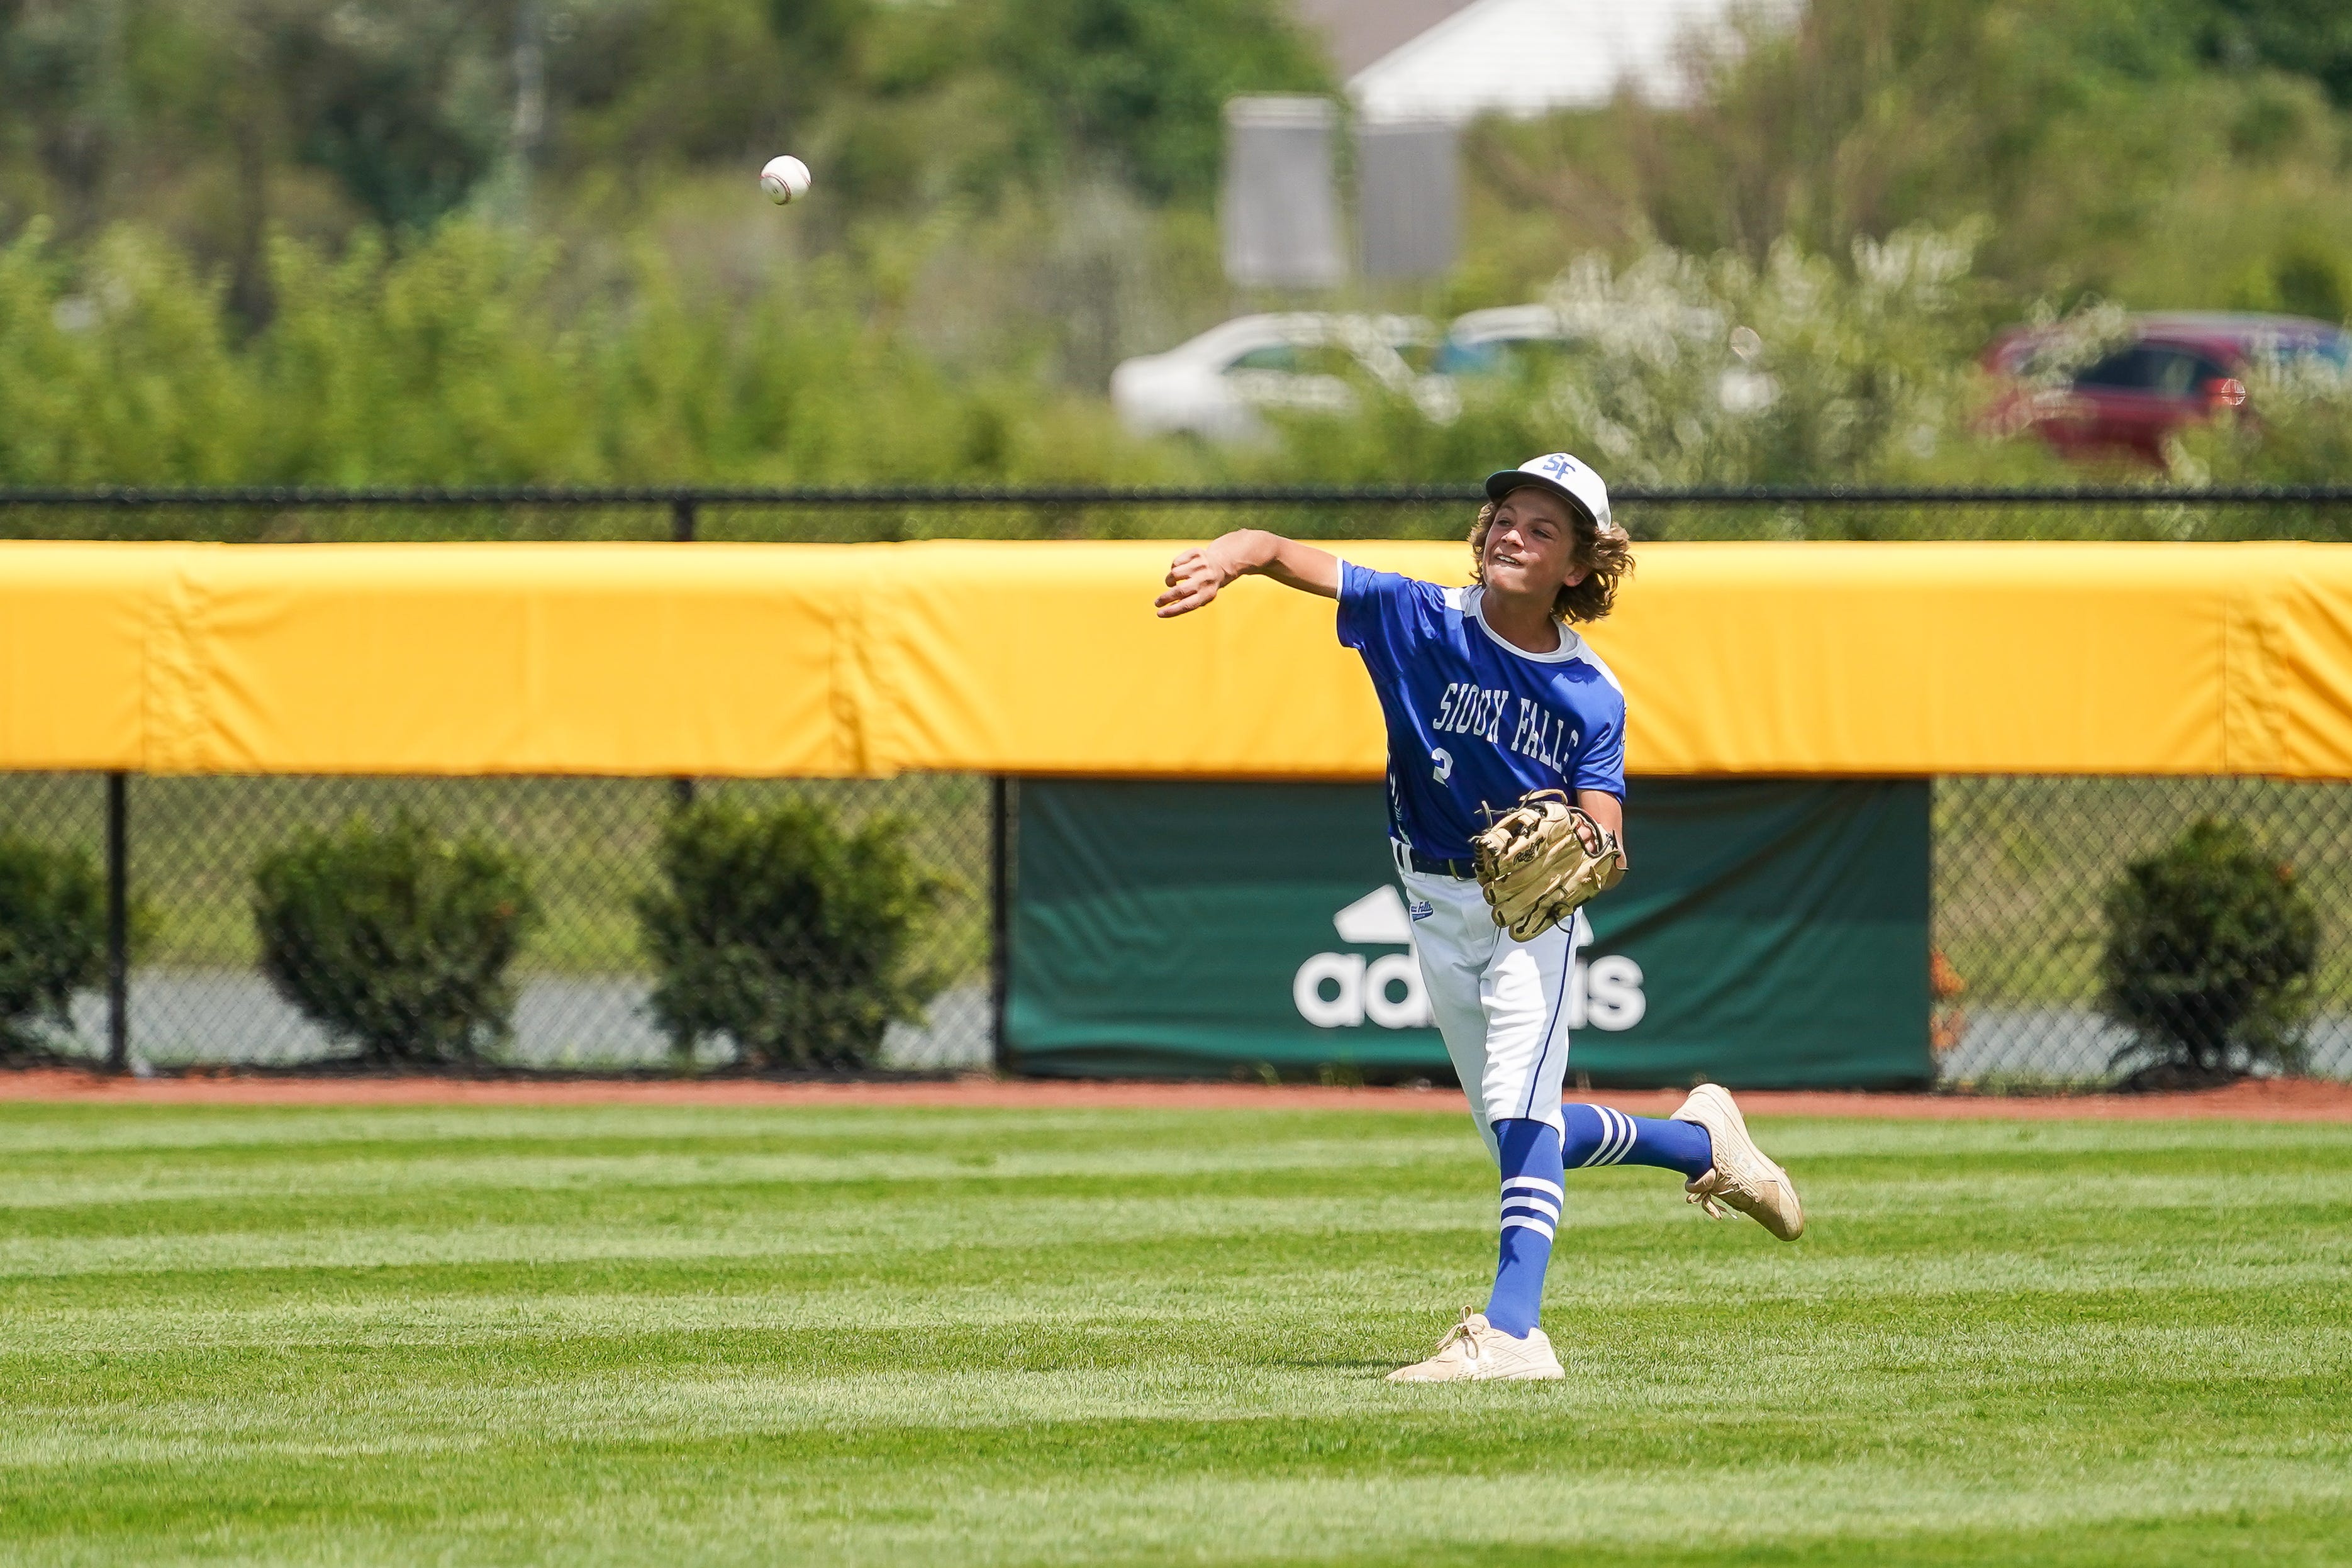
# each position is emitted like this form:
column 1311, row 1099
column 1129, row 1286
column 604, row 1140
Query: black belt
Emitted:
column 1429, row 866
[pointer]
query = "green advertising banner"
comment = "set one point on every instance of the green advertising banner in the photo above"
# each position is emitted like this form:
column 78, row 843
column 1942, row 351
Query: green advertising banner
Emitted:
column 1770, row 934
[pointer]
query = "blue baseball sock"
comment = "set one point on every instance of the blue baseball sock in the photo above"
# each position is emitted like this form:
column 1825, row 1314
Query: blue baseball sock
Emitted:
column 1531, row 1198
column 1599, row 1136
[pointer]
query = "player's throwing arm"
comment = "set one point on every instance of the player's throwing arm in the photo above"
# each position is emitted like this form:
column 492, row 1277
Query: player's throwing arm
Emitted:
column 1196, row 576
column 1507, row 790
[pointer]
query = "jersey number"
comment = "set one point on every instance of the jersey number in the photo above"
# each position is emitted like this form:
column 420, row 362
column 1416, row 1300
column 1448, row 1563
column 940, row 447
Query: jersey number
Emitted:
column 1444, row 760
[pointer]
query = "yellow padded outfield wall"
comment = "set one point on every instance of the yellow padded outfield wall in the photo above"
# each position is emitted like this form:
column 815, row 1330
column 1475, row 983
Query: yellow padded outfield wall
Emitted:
column 856, row 660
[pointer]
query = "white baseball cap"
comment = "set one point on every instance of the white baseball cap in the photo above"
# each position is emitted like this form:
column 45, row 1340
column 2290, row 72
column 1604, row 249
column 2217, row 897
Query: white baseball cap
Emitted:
column 1563, row 476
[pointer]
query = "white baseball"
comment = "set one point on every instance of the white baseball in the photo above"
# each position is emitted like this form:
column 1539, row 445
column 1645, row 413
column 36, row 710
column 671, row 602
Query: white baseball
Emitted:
column 784, row 178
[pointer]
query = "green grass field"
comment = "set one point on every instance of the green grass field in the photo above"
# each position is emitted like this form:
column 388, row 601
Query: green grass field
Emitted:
column 872, row 1336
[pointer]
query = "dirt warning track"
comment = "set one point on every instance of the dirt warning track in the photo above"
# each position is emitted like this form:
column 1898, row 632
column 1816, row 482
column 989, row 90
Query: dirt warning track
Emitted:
column 2275, row 1100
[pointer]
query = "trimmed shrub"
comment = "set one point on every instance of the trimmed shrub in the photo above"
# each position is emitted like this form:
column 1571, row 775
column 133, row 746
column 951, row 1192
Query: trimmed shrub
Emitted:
column 788, row 935
column 2210, row 953
column 52, row 938
column 397, row 938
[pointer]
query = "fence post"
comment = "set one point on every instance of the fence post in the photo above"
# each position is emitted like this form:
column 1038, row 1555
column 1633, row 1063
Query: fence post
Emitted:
column 681, row 532
column 118, row 924
column 1003, row 799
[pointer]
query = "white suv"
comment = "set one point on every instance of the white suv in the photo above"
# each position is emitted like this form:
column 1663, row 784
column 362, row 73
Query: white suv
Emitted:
column 1215, row 385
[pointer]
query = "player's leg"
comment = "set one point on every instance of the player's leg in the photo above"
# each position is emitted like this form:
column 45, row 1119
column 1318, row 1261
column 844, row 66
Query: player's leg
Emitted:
column 1522, row 995
column 1532, row 1195
column 1456, row 942
column 1597, row 1135
column 1706, row 1141
column 1524, row 992
column 1500, row 1004
column 1503, row 1342
column 1452, row 936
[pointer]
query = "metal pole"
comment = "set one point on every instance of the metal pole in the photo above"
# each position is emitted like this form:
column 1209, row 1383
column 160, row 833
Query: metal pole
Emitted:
column 118, row 926
column 1003, row 800
column 530, row 120
column 681, row 532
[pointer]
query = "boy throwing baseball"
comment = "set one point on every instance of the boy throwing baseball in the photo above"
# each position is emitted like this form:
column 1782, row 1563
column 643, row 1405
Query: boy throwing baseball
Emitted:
column 1507, row 792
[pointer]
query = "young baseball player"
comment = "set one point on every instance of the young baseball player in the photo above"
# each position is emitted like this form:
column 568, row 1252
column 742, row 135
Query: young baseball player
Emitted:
column 1488, row 695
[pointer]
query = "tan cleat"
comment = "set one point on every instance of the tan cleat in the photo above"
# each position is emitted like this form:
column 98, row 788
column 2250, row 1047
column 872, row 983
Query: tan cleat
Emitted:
column 1742, row 1177
column 1474, row 1350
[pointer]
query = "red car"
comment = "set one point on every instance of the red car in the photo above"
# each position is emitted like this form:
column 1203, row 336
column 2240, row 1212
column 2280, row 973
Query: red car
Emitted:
column 2181, row 368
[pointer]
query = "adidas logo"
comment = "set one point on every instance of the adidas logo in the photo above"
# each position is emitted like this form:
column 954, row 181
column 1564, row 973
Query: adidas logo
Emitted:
column 1385, row 990
column 1348, row 990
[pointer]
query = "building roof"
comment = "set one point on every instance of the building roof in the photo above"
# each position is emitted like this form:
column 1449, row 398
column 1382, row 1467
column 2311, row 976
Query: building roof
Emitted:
column 1453, row 61
column 1358, row 32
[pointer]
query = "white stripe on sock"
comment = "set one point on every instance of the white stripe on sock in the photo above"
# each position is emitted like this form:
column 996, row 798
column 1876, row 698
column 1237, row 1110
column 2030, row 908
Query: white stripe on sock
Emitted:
column 1608, row 1136
column 1532, row 1206
column 1617, row 1138
column 1535, row 1184
column 1529, row 1222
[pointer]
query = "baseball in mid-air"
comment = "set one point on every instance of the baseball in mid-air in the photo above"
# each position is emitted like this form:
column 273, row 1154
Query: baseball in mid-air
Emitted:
column 784, row 178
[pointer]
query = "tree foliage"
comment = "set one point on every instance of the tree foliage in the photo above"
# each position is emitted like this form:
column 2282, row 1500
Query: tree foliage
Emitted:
column 427, row 241
column 2312, row 37
column 1143, row 82
column 1697, row 371
column 2108, row 144
column 468, row 356
column 398, row 112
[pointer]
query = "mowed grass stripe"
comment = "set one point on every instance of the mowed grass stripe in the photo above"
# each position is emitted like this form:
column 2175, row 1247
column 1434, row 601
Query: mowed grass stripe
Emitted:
column 78, row 1128
column 1028, row 1245
column 62, row 1183
column 73, row 1131
column 870, row 1335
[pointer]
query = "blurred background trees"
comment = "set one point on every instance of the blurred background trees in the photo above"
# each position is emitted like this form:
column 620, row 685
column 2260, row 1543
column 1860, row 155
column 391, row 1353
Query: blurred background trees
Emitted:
column 419, row 240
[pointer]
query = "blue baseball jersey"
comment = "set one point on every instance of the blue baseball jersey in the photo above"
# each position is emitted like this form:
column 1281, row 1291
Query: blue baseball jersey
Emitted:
column 1472, row 720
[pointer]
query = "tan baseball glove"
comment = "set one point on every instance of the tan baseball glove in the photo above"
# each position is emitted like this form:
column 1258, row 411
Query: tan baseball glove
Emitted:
column 1540, row 859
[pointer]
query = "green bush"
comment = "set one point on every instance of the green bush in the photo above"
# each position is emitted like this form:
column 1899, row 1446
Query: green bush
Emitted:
column 52, row 937
column 2210, row 953
column 787, row 934
column 397, row 939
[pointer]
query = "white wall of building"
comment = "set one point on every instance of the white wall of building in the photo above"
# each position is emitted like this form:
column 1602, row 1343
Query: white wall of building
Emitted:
column 1526, row 56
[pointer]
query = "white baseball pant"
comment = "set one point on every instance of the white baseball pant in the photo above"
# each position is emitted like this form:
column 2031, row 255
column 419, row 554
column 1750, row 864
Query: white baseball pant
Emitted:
column 1501, row 1004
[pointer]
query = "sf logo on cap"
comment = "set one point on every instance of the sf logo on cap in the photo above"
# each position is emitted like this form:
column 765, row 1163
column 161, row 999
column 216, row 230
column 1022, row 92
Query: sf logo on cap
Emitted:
column 1557, row 465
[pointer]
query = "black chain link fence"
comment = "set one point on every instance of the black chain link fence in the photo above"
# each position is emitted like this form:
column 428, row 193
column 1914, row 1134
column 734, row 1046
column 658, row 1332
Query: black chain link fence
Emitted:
column 1316, row 513
column 2022, row 866
column 196, row 992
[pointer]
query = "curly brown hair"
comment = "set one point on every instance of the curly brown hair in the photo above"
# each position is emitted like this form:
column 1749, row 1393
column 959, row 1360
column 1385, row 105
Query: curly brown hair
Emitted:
column 1607, row 554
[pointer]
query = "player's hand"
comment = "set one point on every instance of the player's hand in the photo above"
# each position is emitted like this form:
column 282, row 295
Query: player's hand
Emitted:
column 1196, row 577
column 1193, row 579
